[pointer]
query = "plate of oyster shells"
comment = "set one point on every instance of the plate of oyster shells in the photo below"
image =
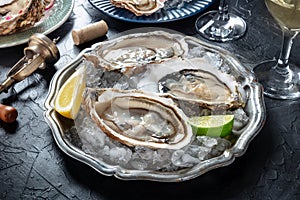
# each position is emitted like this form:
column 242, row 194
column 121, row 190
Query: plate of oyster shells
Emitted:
column 141, row 89
column 52, row 19
column 151, row 11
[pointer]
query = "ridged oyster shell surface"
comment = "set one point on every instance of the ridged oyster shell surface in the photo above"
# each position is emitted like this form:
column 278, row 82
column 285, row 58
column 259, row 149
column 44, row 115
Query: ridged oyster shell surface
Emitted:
column 17, row 15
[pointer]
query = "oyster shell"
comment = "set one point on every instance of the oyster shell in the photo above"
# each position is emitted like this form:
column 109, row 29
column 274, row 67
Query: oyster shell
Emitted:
column 196, row 81
column 19, row 15
column 140, row 7
column 135, row 118
column 131, row 53
column 202, row 87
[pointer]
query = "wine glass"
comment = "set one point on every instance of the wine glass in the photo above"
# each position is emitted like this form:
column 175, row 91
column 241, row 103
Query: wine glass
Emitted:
column 280, row 78
column 220, row 25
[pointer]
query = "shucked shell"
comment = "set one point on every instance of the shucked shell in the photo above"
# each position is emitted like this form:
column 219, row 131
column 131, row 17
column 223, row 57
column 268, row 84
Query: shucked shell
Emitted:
column 195, row 80
column 135, row 118
column 131, row 53
column 140, row 7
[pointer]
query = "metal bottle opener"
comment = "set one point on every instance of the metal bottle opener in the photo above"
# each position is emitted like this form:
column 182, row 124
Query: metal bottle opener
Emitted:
column 41, row 51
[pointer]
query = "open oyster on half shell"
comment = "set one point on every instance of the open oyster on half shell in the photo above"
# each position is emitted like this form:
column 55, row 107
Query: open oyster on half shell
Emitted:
column 194, row 80
column 131, row 53
column 140, row 7
column 136, row 118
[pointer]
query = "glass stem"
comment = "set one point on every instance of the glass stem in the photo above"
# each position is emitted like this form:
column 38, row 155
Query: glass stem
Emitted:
column 282, row 66
column 223, row 11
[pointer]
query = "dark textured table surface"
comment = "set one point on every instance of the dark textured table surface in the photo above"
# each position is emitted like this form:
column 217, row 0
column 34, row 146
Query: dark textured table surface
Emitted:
column 33, row 167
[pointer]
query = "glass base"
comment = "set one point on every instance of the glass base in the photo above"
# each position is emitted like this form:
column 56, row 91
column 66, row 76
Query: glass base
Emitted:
column 219, row 30
column 276, row 85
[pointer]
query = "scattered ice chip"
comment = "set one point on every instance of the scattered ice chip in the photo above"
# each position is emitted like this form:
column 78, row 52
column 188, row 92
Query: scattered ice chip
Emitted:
column 138, row 164
column 181, row 159
column 207, row 141
column 120, row 155
column 240, row 119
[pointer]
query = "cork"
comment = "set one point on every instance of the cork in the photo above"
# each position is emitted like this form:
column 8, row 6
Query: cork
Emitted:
column 89, row 32
column 8, row 114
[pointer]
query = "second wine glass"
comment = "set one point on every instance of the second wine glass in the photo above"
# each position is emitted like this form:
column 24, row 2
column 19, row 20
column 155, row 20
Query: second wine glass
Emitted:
column 220, row 25
column 280, row 78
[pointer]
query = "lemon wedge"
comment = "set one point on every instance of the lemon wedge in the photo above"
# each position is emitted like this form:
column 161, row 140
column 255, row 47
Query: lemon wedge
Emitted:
column 212, row 125
column 69, row 97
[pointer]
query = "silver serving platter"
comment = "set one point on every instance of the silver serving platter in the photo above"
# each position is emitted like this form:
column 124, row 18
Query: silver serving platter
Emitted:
column 70, row 143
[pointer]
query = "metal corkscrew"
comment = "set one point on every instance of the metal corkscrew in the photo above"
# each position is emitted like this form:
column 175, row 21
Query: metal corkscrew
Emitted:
column 41, row 51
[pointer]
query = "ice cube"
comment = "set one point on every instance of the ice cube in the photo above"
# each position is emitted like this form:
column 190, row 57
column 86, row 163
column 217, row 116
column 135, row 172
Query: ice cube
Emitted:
column 203, row 153
column 120, row 155
column 138, row 164
column 182, row 159
column 207, row 141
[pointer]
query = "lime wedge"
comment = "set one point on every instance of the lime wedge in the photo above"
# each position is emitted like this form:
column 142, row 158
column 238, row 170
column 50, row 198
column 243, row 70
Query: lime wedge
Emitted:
column 212, row 125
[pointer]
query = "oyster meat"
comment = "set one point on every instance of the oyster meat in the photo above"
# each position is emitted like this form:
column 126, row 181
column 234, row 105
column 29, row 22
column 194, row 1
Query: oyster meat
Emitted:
column 131, row 53
column 140, row 7
column 136, row 118
column 194, row 80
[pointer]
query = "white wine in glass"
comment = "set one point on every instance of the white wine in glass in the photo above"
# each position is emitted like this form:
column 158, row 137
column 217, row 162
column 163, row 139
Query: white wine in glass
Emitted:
column 280, row 78
column 286, row 12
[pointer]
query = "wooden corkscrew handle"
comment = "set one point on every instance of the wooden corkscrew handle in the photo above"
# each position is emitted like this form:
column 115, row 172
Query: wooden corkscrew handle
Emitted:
column 8, row 114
